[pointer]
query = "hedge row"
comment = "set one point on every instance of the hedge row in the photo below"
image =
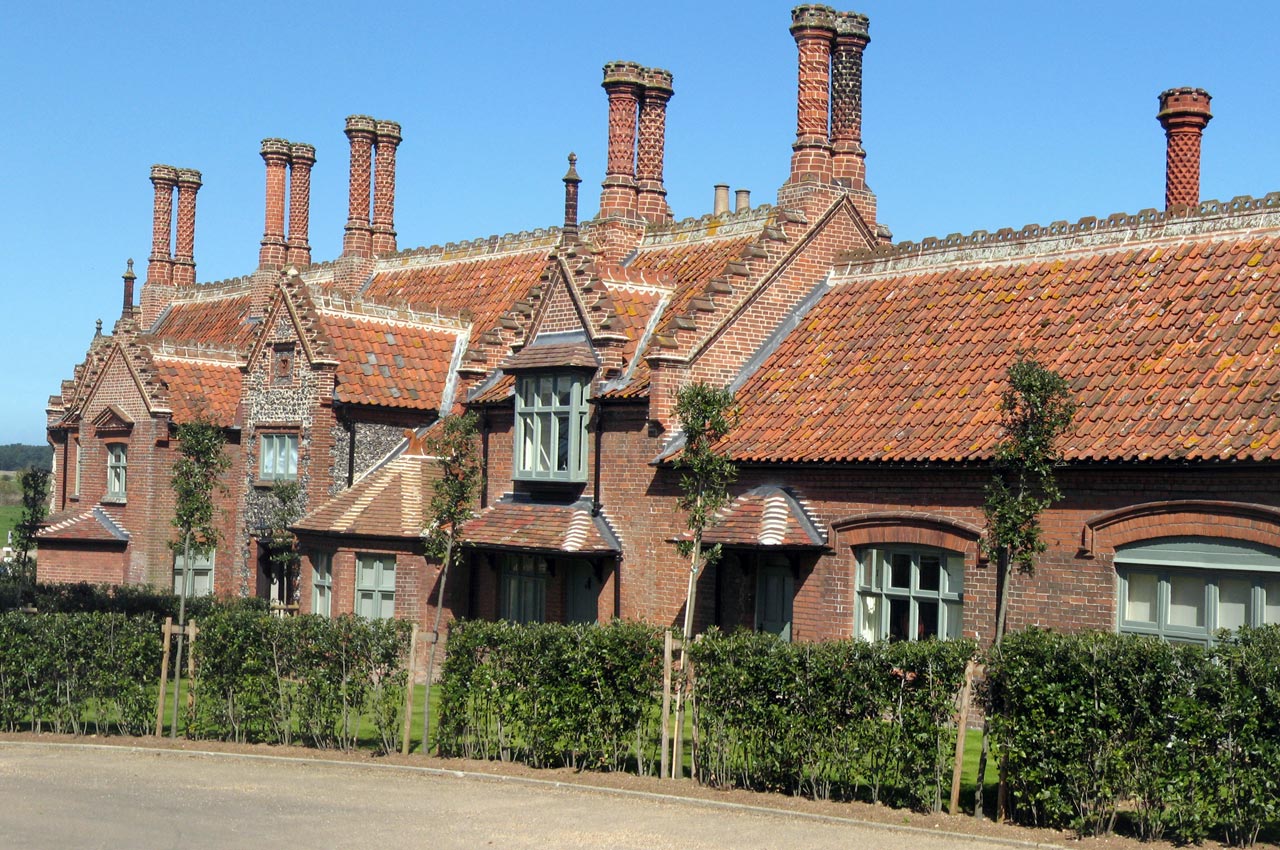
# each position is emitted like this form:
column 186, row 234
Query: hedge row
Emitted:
column 845, row 719
column 78, row 672
column 129, row 599
column 1186, row 738
column 262, row 678
column 551, row 695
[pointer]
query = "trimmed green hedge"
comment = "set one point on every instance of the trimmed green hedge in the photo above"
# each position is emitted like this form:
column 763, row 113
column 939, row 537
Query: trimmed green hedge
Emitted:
column 263, row 678
column 550, row 695
column 134, row 600
column 1188, row 739
column 78, row 672
column 845, row 719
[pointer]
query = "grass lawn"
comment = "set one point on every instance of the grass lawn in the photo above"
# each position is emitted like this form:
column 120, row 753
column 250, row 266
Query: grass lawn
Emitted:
column 9, row 516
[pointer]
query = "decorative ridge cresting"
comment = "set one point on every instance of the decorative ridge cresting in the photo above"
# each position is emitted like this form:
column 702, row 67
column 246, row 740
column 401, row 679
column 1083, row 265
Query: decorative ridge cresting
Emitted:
column 1088, row 232
column 336, row 303
column 485, row 246
column 211, row 290
column 708, row 226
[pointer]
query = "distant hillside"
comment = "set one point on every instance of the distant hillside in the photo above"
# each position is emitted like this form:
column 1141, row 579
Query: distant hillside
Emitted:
column 18, row 456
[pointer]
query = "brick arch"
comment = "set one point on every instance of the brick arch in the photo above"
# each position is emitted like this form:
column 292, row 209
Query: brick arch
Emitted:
column 913, row 527
column 1184, row 518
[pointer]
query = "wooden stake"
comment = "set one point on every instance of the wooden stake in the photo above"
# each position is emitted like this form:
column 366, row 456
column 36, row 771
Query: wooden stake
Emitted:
column 677, row 738
column 164, row 674
column 962, row 724
column 666, row 706
column 408, row 694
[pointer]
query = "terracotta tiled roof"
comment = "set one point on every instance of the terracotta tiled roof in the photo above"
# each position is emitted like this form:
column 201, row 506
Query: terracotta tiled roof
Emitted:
column 691, row 264
column 94, row 525
column 220, row 322
column 391, row 501
column 765, row 516
column 1171, row 345
column 482, row 286
column 392, row 364
column 200, row 388
column 499, row 391
column 539, row 526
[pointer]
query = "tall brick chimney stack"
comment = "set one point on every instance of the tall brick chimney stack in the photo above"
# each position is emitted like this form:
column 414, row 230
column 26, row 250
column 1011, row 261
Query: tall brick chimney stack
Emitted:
column 569, row 234
column 160, row 266
column 1184, row 113
column 275, row 153
column 814, row 29
column 623, row 82
column 848, row 159
column 301, row 157
column 157, row 292
column 384, row 188
column 184, row 258
column 651, row 149
column 358, row 239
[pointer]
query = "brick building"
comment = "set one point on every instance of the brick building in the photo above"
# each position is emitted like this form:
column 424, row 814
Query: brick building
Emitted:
column 867, row 376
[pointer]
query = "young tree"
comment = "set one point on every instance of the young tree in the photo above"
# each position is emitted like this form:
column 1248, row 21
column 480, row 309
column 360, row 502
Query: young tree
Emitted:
column 1036, row 410
column 35, row 507
column 201, row 461
column 455, row 446
column 706, row 414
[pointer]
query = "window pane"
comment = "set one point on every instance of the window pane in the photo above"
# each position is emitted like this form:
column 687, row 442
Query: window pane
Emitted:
column 564, row 386
column 529, row 427
column 546, row 387
column 1186, row 601
column 926, row 619
column 1140, row 598
column 900, row 570
column 544, row 445
column 955, row 574
column 955, row 620
column 290, row 446
column 527, row 389
column 1271, row 611
column 869, row 569
column 899, row 619
column 870, row 613
column 562, row 442
column 1233, row 602
column 930, row 572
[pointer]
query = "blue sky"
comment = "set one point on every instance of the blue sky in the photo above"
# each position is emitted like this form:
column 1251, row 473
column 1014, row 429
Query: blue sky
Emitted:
column 976, row 116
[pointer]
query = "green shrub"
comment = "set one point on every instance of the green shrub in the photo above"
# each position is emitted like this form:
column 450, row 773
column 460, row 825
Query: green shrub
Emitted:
column 67, row 672
column 845, row 719
column 583, row 696
column 1088, row 725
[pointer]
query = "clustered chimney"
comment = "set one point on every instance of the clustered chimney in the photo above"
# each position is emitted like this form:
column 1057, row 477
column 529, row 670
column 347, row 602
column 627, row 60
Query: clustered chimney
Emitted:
column 721, row 204
column 1184, row 113
column 814, row 29
column 287, row 163
column 170, row 266
column 372, row 183
column 848, row 159
column 633, row 185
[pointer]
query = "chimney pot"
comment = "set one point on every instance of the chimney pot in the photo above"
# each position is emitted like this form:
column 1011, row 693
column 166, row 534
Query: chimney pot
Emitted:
column 1184, row 113
column 571, row 181
column 721, row 205
column 742, row 200
column 129, row 277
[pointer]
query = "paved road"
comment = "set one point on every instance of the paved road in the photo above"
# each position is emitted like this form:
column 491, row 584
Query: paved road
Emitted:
column 78, row 797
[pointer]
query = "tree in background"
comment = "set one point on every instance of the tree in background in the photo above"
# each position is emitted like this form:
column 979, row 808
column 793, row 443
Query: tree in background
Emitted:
column 200, row 463
column 15, row 456
column 705, row 414
column 35, row 507
column 1036, row 410
column 455, row 446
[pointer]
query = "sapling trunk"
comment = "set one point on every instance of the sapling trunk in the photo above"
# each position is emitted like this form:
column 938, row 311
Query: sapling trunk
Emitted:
column 435, row 641
column 182, row 631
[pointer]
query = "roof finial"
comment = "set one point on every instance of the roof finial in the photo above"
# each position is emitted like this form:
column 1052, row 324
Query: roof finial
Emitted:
column 571, row 181
column 97, row 328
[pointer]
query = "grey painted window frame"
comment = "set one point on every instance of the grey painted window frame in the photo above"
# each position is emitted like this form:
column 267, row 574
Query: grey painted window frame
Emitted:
column 551, row 414
column 876, row 592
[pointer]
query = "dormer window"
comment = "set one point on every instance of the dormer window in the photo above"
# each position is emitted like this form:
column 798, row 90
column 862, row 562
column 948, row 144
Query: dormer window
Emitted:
column 551, row 427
